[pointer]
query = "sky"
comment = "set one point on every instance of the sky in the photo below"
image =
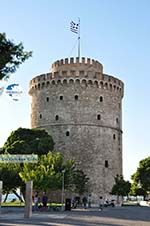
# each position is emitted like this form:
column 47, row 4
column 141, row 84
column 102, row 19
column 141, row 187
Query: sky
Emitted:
column 114, row 32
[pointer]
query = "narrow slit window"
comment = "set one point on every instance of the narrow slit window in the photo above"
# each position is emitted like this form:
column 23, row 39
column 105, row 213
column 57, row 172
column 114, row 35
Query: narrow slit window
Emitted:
column 106, row 163
column 117, row 120
column 40, row 115
column 114, row 136
column 56, row 117
column 47, row 99
column 101, row 99
column 98, row 117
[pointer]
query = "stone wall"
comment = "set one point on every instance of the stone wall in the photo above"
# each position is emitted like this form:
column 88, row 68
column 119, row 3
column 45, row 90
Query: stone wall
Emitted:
column 82, row 108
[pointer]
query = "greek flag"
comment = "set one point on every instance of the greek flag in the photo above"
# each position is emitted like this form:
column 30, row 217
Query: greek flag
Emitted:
column 74, row 27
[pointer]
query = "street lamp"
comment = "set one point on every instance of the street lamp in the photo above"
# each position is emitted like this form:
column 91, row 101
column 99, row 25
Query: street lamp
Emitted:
column 1, row 187
column 62, row 193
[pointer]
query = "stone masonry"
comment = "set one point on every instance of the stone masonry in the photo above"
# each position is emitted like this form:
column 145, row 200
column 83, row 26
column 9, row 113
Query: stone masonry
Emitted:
column 81, row 107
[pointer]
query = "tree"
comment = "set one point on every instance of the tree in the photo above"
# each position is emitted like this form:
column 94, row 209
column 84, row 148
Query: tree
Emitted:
column 47, row 173
column 80, row 180
column 9, row 174
column 121, row 187
column 137, row 190
column 141, row 178
column 11, row 56
column 28, row 141
column 22, row 141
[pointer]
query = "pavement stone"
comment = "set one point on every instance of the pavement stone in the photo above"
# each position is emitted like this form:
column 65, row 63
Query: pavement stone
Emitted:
column 119, row 216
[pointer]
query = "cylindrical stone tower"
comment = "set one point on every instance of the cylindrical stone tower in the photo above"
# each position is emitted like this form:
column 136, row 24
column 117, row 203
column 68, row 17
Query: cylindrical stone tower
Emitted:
column 82, row 109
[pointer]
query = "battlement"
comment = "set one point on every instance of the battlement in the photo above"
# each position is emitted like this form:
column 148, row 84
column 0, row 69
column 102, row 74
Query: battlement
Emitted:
column 76, row 64
column 104, row 82
column 86, row 72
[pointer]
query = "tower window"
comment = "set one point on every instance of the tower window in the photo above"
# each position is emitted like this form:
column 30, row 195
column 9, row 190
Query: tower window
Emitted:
column 56, row 117
column 47, row 99
column 61, row 97
column 76, row 97
column 98, row 117
column 119, row 139
column 117, row 120
column 114, row 136
column 106, row 163
column 67, row 133
column 40, row 115
column 101, row 99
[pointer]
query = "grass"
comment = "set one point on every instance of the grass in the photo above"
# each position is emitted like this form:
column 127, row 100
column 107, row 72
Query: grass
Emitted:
column 17, row 203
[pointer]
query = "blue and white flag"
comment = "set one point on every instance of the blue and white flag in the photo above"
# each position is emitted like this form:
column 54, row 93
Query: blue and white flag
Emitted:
column 74, row 27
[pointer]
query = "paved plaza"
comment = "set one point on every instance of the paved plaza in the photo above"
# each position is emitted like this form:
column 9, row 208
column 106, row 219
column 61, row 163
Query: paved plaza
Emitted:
column 118, row 216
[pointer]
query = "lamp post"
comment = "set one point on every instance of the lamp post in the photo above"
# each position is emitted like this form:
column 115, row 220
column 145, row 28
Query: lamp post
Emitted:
column 1, row 187
column 62, row 192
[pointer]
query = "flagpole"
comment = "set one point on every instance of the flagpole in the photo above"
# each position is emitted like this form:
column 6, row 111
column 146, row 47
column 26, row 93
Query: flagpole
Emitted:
column 79, row 39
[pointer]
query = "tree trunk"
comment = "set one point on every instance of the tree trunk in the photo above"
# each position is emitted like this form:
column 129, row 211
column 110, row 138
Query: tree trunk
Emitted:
column 6, row 196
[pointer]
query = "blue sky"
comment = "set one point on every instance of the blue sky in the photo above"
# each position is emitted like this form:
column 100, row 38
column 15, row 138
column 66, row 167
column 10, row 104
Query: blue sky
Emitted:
column 114, row 32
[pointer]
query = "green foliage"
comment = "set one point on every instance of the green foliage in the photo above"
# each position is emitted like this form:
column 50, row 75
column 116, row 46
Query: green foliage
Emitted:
column 11, row 56
column 80, row 180
column 141, row 178
column 137, row 190
column 121, row 187
column 47, row 173
column 23, row 141
column 9, row 174
column 29, row 141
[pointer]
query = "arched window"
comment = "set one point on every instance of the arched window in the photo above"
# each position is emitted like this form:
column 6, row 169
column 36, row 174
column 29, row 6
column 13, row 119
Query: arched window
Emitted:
column 67, row 133
column 114, row 136
column 56, row 117
column 101, row 99
column 61, row 97
column 47, row 83
column 76, row 97
column 98, row 117
column 53, row 82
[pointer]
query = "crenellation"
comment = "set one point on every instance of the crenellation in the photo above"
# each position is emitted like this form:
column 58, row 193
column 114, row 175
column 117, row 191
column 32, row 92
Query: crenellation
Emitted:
column 56, row 74
column 71, row 60
column 49, row 76
column 66, row 60
column 101, row 82
column 97, row 64
column 60, row 62
column 93, row 63
column 83, row 60
column 77, row 60
column 88, row 61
